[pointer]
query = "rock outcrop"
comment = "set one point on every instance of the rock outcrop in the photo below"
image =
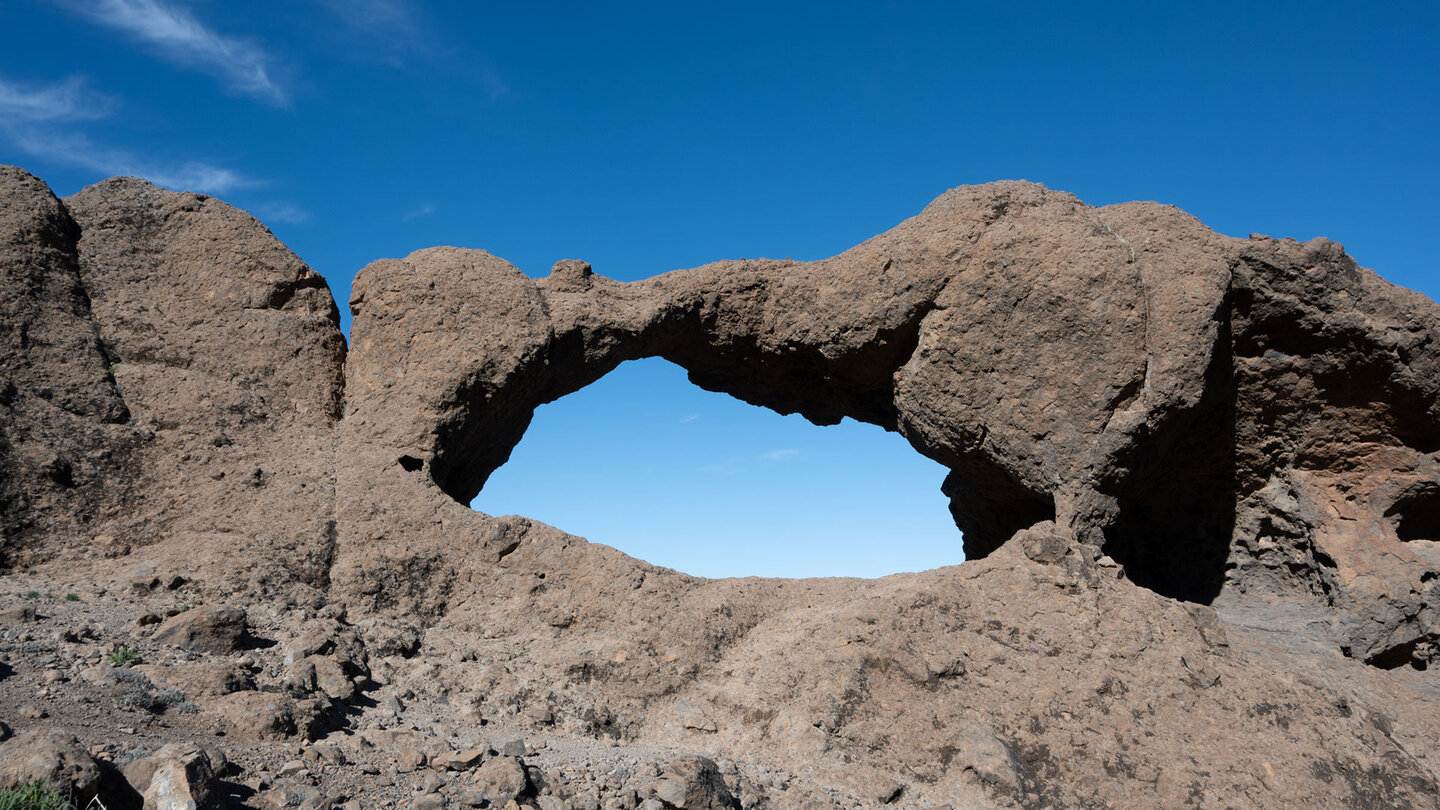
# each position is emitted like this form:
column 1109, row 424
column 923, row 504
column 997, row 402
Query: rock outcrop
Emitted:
column 1196, row 478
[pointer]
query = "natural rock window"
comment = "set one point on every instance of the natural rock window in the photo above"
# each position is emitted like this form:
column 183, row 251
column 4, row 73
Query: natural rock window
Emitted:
column 649, row 463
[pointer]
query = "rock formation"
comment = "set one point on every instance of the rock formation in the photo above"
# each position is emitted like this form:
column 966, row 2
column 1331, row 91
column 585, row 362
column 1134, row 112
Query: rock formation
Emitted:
column 1196, row 478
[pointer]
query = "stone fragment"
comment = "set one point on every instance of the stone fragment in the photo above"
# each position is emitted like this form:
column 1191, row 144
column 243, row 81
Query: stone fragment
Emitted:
column 18, row 614
column 270, row 716
column 458, row 760
column 432, row 782
column 293, row 768
column 409, row 759
column 321, row 673
column 52, row 757
column 179, row 776
column 199, row 679
column 212, row 629
column 501, row 779
column 693, row 783
column 670, row 790
column 511, row 748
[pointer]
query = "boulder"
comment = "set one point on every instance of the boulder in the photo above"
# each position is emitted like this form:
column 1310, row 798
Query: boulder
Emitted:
column 271, row 716
column 693, row 783
column 199, row 679
column 179, row 776
column 51, row 757
column 501, row 780
column 211, row 629
column 18, row 614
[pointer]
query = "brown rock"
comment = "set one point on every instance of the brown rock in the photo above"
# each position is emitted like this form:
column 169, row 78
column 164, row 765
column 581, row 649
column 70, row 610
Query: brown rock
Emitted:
column 458, row 760
column 222, row 339
column 199, row 679
column 501, row 780
column 50, row 757
column 270, row 716
column 693, row 783
column 321, row 673
column 410, row 759
column 212, row 629
column 179, row 776
column 18, row 614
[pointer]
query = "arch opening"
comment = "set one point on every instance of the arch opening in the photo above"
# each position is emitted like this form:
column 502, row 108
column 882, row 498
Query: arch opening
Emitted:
column 647, row 462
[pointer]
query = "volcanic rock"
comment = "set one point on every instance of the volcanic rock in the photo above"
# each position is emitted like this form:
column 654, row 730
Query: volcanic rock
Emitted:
column 177, row 777
column 501, row 780
column 50, row 757
column 1196, row 478
column 212, row 629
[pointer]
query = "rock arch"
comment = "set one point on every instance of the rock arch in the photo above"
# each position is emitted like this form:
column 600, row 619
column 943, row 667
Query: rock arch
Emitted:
column 1114, row 370
column 1008, row 332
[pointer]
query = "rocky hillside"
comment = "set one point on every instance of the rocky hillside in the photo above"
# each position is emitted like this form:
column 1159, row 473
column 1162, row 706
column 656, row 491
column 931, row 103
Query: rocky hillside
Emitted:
column 1198, row 479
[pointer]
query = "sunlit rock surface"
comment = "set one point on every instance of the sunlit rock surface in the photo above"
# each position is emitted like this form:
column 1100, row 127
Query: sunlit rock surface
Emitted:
column 1196, row 476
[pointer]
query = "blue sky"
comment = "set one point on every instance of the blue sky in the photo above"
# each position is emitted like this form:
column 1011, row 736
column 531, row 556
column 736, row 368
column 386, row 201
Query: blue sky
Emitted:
column 644, row 137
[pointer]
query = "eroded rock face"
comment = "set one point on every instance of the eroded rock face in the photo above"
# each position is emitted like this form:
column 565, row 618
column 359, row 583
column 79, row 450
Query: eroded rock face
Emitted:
column 1196, row 478
column 59, row 403
column 174, row 375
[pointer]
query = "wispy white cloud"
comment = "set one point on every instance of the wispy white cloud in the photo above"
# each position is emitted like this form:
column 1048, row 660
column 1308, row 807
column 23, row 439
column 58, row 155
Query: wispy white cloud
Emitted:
column 174, row 33
column 76, row 150
column 38, row 120
column 397, row 33
column 736, row 465
column 376, row 16
column 423, row 211
column 780, row 455
column 280, row 212
column 69, row 100
column 688, row 418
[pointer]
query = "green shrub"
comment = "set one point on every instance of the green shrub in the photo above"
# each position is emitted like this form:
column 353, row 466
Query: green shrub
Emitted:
column 72, row 597
column 33, row 797
column 123, row 656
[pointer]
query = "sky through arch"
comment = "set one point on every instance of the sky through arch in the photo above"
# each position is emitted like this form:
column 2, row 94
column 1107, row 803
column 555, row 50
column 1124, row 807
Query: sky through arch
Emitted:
column 707, row 484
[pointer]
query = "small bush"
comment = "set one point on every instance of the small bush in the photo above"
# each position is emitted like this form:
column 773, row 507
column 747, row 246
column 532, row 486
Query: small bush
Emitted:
column 32, row 594
column 72, row 597
column 133, row 677
column 33, row 797
column 139, row 692
column 171, row 700
column 123, row 656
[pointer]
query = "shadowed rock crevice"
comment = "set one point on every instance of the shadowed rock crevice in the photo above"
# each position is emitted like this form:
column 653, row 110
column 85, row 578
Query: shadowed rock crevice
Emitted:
column 1416, row 513
column 1176, row 504
column 480, row 438
column 989, row 506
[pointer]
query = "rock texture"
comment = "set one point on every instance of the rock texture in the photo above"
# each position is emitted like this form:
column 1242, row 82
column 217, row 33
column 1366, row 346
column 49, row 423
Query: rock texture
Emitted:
column 1196, row 478
column 52, row 758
